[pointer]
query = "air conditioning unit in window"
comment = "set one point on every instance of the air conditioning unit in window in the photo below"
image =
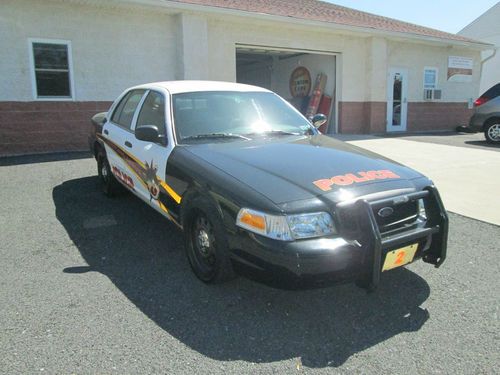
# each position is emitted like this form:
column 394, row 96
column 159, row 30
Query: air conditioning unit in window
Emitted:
column 432, row 94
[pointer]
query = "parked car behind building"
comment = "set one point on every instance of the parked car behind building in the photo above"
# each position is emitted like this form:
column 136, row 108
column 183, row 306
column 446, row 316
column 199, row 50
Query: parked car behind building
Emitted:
column 486, row 117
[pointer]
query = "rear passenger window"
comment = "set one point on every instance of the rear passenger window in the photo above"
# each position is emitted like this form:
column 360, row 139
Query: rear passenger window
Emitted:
column 153, row 112
column 124, row 112
column 492, row 92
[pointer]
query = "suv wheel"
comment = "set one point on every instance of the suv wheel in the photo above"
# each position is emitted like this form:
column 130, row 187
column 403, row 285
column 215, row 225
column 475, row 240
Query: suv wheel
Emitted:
column 492, row 132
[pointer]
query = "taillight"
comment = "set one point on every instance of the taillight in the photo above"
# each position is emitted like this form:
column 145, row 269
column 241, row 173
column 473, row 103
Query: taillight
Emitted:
column 480, row 101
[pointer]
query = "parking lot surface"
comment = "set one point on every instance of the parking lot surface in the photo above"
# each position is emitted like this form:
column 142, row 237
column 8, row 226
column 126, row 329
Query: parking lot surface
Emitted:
column 97, row 285
column 467, row 177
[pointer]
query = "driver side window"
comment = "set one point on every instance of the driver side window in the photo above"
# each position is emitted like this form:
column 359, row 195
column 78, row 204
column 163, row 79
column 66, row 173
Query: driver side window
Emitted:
column 153, row 112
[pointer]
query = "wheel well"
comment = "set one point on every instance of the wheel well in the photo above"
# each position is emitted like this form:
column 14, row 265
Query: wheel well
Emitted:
column 97, row 149
column 491, row 120
column 187, row 206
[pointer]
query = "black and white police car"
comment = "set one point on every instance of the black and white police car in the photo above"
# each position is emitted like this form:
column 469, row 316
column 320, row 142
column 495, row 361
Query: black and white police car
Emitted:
column 258, row 190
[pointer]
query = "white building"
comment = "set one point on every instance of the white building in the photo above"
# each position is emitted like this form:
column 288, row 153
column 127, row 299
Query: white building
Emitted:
column 487, row 29
column 64, row 60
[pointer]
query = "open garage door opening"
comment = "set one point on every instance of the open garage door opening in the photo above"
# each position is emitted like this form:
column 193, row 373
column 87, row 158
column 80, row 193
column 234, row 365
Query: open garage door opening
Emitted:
column 305, row 79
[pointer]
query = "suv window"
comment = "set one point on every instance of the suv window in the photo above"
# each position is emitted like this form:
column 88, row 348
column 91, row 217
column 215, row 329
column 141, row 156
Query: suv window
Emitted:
column 124, row 112
column 153, row 112
column 492, row 92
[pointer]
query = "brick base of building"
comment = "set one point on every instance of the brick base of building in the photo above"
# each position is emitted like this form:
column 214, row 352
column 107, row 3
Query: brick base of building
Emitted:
column 41, row 127
column 370, row 117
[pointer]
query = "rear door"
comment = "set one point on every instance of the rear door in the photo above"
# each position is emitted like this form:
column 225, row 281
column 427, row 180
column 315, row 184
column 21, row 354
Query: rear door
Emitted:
column 118, row 137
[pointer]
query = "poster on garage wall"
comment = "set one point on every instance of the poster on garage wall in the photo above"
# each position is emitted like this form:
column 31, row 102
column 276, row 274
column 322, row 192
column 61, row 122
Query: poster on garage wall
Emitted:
column 460, row 69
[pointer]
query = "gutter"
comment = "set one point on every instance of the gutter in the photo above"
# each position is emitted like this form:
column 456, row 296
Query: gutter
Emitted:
column 483, row 61
column 298, row 21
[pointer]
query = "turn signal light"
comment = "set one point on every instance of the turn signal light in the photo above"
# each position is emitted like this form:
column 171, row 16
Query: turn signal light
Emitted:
column 254, row 221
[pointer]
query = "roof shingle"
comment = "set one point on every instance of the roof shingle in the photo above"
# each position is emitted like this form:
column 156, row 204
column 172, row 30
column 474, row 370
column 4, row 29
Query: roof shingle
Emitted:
column 315, row 10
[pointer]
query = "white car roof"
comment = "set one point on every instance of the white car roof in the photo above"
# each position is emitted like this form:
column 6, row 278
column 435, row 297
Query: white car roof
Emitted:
column 176, row 87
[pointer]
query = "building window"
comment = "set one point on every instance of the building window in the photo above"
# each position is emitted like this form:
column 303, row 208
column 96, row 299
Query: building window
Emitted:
column 51, row 69
column 430, row 78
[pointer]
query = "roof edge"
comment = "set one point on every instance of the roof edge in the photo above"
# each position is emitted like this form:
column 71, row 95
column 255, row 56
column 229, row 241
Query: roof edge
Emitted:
column 178, row 5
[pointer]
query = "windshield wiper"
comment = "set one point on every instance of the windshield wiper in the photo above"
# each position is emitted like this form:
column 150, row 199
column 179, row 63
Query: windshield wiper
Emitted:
column 215, row 135
column 274, row 132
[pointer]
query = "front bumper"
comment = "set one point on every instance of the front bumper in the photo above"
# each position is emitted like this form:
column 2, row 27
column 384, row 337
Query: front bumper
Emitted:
column 356, row 255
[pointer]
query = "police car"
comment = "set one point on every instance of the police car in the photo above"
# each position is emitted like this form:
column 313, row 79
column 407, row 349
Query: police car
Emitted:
column 257, row 190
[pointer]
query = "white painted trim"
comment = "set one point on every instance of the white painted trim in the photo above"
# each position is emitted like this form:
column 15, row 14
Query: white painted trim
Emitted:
column 34, row 90
column 296, row 50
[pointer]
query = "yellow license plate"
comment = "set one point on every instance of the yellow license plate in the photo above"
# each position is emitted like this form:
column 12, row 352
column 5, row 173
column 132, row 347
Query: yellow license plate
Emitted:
column 399, row 257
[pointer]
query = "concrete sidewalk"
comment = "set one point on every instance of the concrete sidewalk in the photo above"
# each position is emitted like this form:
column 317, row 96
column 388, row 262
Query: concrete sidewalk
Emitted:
column 468, row 178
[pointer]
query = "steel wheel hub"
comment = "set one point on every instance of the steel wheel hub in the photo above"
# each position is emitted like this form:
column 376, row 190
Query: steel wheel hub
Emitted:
column 494, row 132
column 203, row 241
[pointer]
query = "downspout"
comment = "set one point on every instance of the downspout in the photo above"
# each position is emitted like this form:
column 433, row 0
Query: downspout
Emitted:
column 487, row 59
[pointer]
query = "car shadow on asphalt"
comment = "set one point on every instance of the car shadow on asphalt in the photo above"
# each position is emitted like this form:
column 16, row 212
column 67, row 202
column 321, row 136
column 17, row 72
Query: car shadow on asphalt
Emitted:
column 484, row 144
column 142, row 254
column 43, row 158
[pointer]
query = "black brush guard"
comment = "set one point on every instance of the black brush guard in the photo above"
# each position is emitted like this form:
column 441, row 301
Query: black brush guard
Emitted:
column 432, row 237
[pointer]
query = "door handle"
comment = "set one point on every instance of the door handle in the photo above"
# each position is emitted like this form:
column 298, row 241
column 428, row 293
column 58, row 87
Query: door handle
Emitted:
column 106, row 131
column 128, row 144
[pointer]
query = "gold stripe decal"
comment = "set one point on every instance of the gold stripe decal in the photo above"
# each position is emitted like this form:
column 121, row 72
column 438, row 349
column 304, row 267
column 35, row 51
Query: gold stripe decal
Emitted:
column 145, row 172
column 170, row 191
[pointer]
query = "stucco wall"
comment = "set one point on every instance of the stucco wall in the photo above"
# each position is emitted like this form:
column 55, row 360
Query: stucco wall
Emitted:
column 416, row 57
column 113, row 48
column 224, row 36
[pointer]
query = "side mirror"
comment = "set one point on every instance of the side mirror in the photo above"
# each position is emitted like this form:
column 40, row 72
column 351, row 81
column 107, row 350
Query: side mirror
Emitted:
column 318, row 120
column 148, row 133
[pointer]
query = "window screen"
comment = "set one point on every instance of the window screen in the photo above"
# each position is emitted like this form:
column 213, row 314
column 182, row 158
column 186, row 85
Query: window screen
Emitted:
column 52, row 70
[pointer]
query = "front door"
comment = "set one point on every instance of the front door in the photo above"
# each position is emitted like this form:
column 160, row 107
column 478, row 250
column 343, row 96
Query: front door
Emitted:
column 397, row 104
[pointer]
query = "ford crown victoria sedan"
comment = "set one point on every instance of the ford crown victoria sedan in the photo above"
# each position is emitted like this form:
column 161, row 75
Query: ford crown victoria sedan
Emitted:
column 257, row 190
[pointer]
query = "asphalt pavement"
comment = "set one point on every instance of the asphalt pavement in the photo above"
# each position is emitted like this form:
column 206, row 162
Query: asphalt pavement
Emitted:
column 96, row 285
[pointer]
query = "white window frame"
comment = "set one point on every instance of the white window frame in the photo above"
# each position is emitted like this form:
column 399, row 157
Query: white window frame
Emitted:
column 436, row 70
column 34, row 88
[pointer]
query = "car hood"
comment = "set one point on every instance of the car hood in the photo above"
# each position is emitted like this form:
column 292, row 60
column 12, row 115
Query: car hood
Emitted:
column 291, row 168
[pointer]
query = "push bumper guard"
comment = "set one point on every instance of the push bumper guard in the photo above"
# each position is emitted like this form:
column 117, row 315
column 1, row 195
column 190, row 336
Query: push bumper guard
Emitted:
column 432, row 236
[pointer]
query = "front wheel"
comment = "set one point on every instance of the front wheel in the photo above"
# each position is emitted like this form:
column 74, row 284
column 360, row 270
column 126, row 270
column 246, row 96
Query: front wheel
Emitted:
column 492, row 132
column 206, row 245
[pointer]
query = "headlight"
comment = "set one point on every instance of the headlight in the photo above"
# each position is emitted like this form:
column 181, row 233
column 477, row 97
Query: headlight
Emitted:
column 286, row 228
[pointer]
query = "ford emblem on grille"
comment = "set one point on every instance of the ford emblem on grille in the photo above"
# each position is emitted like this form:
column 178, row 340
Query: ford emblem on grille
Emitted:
column 385, row 212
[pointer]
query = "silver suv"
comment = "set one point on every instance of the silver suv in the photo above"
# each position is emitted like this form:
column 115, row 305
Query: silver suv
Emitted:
column 486, row 117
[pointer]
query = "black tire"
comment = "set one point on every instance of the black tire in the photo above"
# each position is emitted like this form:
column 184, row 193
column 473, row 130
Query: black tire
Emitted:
column 205, row 242
column 492, row 131
column 109, row 185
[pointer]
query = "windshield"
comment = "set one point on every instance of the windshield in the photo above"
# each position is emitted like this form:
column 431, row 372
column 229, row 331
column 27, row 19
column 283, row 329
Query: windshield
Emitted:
column 235, row 115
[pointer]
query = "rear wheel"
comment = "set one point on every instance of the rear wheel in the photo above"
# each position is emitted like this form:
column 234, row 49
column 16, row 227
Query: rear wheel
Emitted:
column 206, row 244
column 492, row 132
column 109, row 185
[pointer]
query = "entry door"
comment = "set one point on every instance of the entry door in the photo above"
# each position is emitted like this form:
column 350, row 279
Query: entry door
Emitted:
column 397, row 104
